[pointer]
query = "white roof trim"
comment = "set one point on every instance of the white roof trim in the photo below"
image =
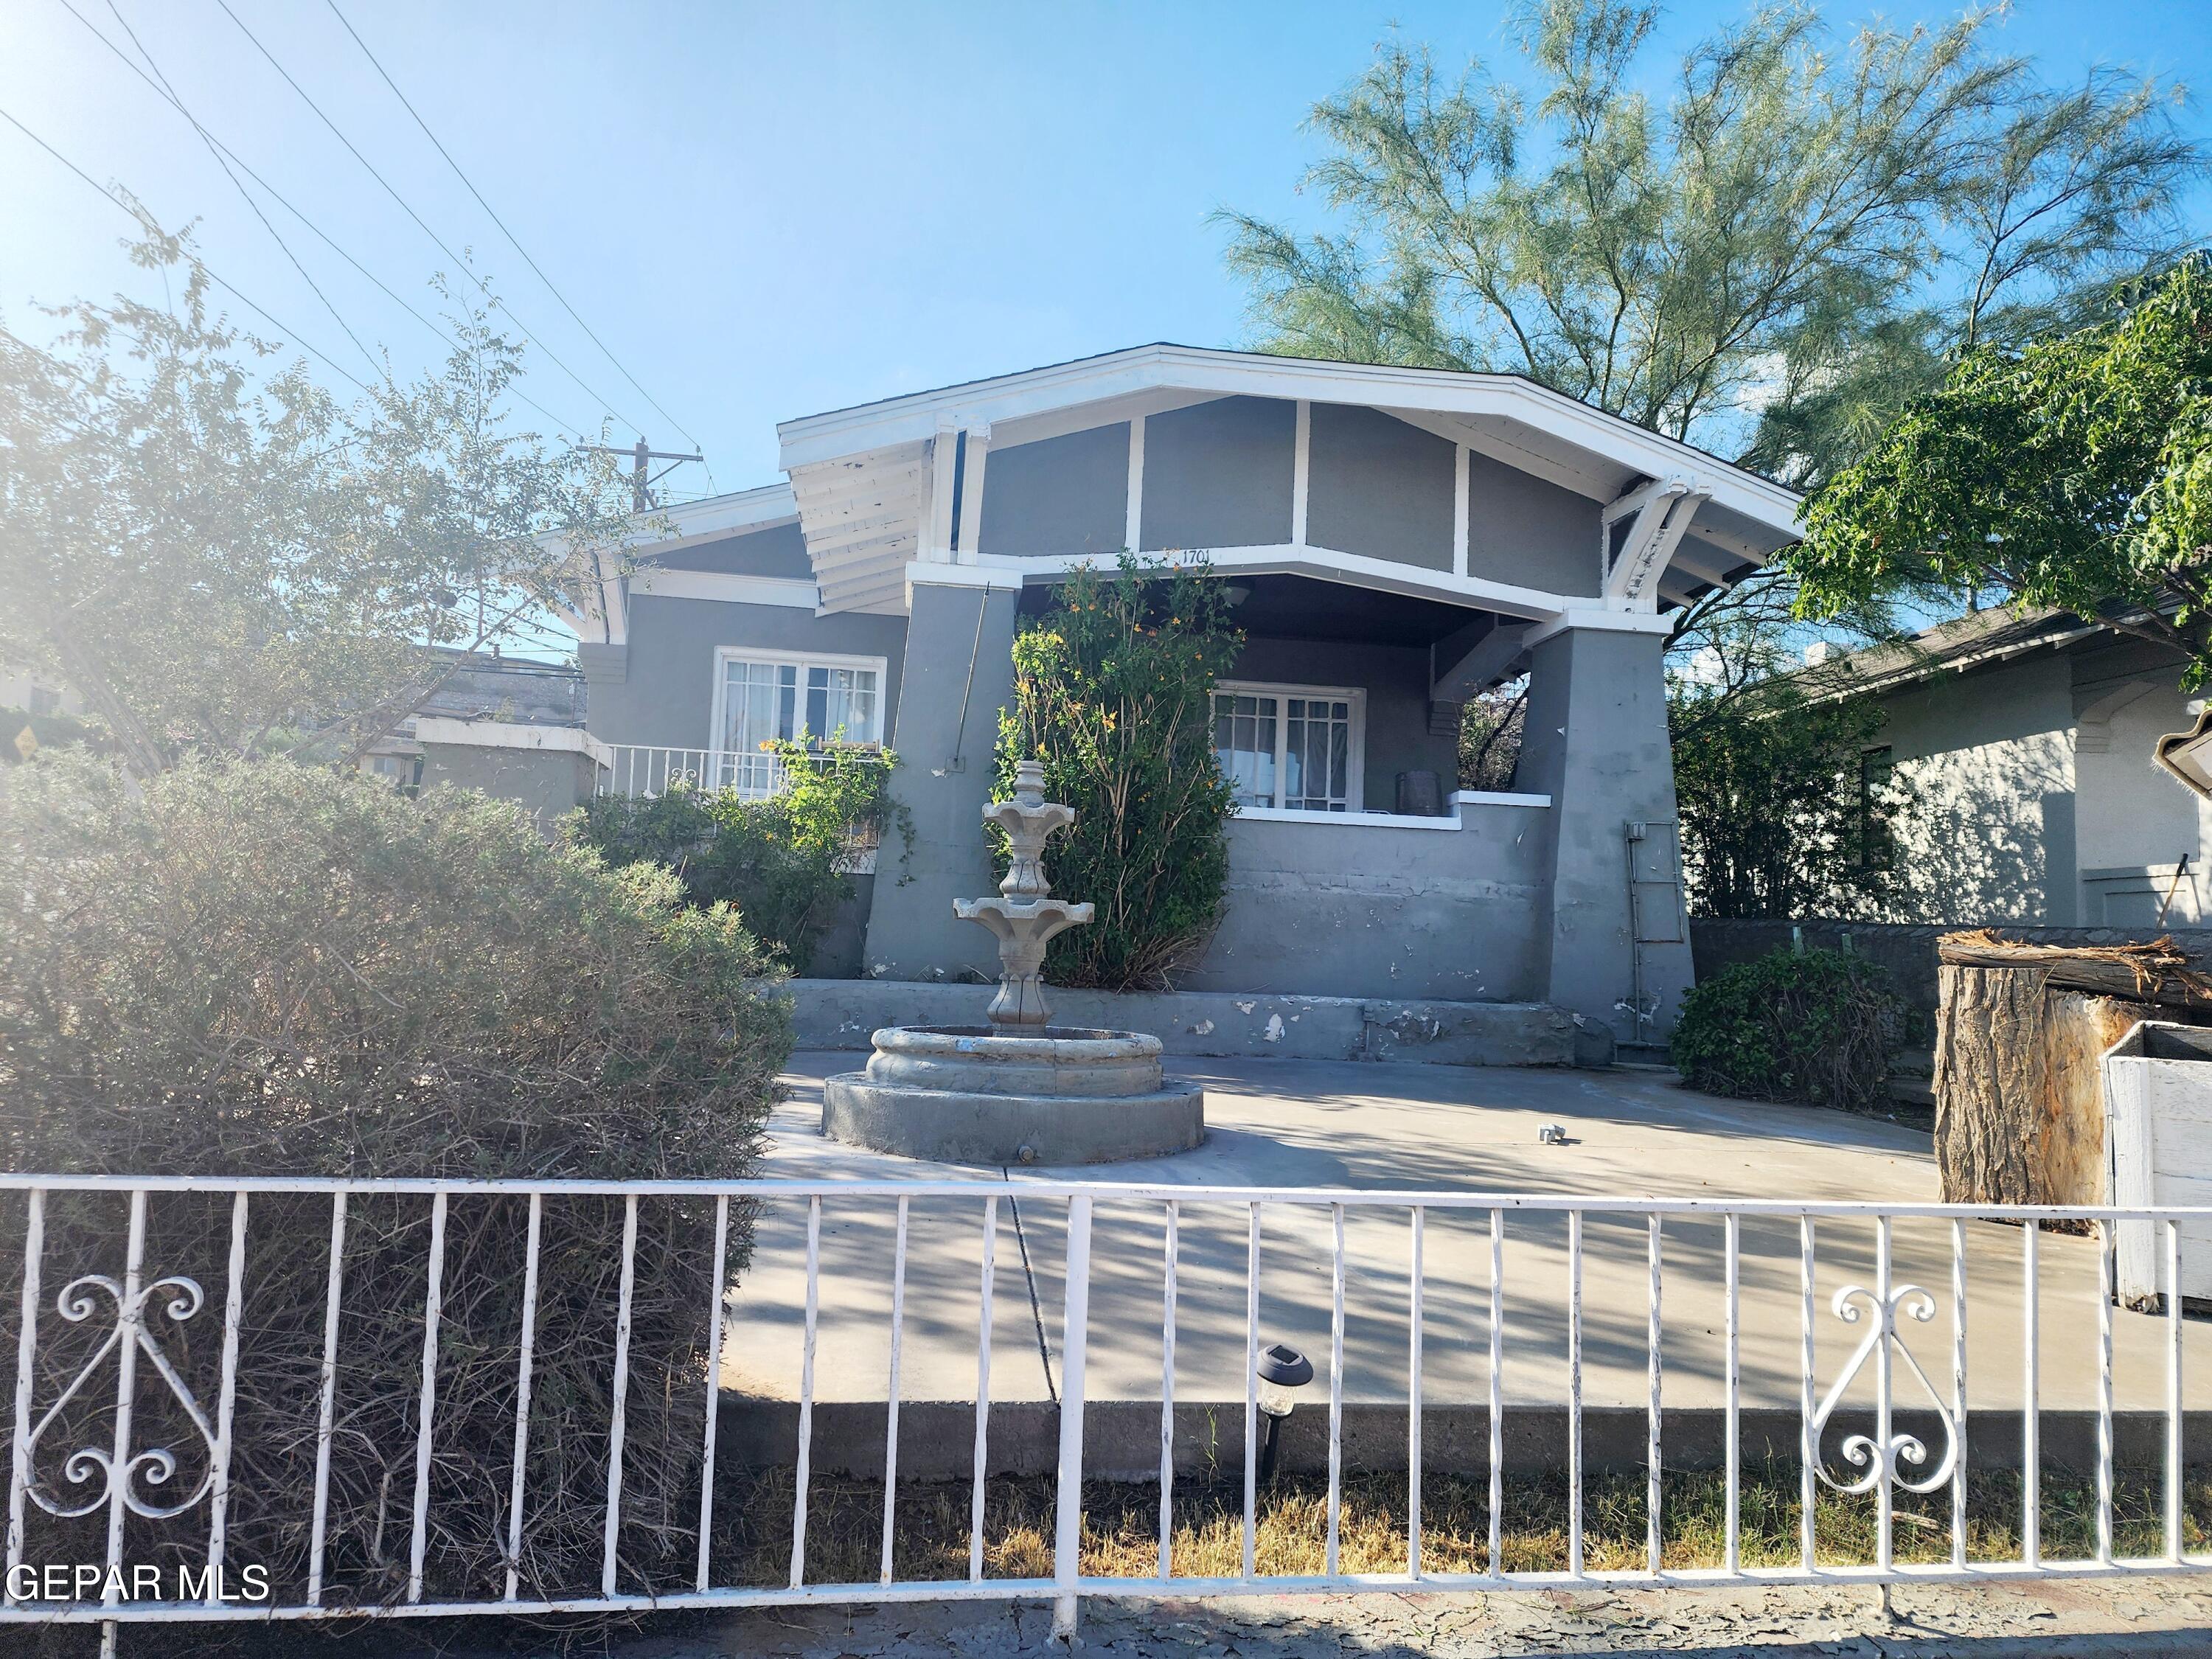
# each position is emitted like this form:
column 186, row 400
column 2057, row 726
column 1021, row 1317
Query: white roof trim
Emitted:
column 688, row 522
column 919, row 415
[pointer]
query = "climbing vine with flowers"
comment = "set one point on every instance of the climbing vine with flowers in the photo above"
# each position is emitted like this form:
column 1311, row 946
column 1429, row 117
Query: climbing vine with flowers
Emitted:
column 1114, row 692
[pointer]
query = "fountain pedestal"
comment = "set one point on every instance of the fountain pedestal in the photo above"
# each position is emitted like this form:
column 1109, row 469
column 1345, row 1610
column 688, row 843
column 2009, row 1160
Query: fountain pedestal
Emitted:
column 1018, row 1090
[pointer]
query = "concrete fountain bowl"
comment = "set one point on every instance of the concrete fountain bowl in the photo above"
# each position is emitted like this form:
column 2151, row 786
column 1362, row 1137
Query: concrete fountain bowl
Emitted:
column 1053, row 1095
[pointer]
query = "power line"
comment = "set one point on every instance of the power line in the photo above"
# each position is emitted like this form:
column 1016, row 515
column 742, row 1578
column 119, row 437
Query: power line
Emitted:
column 247, row 196
column 145, row 223
column 281, row 200
column 501, row 223
column 459, row 264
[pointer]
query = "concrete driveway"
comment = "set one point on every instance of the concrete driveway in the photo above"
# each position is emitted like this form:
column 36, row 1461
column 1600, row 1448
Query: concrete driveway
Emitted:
column 1293, row 1123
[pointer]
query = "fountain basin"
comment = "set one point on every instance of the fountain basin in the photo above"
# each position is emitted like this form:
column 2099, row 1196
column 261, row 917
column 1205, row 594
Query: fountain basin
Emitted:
column 1054, row 1095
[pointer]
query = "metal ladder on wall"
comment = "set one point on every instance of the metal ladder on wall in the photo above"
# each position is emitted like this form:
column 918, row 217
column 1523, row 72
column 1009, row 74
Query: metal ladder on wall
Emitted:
column 1656, row 910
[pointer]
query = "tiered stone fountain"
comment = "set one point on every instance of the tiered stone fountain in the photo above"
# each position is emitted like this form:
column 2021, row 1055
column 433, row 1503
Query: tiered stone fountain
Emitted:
column 1018, row 1090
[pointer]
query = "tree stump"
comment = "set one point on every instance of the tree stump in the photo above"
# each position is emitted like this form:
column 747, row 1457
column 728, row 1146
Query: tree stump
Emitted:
column 2019, row 1112
column 2019, row 1107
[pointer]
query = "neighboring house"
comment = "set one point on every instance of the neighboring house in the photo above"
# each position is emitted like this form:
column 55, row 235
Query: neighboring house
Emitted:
column 2029, row 740
column 1396, row 539
column 487, row 687
column 35, row 696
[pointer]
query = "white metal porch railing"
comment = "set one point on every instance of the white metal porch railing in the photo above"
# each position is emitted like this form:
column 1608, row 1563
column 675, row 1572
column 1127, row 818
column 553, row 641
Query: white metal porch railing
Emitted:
column 645, row 770
column 1855, row 1402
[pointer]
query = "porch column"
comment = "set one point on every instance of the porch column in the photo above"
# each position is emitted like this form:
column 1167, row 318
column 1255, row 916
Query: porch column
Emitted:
column 958, row 673
column 1597, row 743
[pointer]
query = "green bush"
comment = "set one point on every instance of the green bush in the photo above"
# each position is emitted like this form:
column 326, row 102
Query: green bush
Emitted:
column 266, row 969
column 785, row 863
column 1815, row 1027
column 1114, row 692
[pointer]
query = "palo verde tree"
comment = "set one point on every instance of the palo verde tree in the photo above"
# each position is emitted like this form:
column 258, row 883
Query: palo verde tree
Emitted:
column 2075, row 472
column 1769, row 258
column 223, row 558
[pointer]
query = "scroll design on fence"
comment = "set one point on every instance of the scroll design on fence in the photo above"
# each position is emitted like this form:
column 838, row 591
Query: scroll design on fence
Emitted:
column 155, row 1465
column 1879, row 1462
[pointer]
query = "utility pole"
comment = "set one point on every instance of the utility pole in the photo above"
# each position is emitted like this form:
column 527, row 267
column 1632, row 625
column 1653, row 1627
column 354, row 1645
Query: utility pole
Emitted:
column 641, row 480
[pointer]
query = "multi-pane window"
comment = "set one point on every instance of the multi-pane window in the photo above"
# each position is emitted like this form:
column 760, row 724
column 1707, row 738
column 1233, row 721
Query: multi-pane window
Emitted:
column 1288, row 746
column 767, row 698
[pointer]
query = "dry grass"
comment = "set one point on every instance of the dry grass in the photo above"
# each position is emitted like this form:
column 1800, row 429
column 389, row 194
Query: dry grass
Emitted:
column 1120, row 1527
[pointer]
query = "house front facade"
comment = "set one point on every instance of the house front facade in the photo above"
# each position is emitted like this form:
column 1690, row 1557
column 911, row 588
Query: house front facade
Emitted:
column 1395, row 540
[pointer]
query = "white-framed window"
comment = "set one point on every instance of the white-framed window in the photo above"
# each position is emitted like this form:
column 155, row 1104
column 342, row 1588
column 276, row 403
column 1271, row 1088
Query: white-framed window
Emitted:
column 1295, row 747
column 764, row 695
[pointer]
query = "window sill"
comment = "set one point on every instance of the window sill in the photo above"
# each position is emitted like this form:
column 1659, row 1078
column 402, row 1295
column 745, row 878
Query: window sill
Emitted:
column 1454, row 820
column 1342, row 820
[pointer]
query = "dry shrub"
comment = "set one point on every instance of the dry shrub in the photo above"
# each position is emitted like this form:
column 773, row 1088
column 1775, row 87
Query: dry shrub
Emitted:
column 265, row 969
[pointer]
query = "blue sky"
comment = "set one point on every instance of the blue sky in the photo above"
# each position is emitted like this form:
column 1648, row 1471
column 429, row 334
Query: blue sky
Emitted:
column 764, row 211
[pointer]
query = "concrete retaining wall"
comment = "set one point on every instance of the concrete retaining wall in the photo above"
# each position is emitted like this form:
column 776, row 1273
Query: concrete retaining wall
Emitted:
column 831, row 1014
column 1122, row 1437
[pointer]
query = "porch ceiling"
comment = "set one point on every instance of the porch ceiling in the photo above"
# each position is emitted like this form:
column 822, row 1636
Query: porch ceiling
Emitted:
column 1304, row 608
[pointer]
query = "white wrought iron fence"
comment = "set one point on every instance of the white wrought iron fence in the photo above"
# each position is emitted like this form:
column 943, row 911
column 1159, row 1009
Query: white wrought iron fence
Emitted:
column 1859, row 1429
column 646, row 769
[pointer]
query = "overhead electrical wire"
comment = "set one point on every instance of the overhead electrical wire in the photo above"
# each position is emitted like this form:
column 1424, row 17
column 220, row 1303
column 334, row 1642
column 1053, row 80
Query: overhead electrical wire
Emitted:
column 459, row 264
column 405, row 103
column 278, row 196
column 294, row 335
column 246, row 195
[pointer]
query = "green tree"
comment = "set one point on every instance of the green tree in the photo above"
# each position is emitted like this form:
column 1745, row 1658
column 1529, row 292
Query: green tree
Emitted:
column 2075, row 472
column 1788, row 804
column 223, row 558
column 1789, row 241
column 1114, row 692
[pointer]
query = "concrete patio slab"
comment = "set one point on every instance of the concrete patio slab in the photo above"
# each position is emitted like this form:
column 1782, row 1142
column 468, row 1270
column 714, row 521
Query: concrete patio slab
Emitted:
column 1397, row 1127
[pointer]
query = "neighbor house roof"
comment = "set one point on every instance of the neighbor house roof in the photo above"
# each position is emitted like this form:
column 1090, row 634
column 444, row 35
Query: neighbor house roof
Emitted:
column 1977, row 637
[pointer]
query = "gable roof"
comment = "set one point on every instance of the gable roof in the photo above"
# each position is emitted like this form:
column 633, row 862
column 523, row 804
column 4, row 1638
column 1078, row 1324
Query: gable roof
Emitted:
column 861, row 475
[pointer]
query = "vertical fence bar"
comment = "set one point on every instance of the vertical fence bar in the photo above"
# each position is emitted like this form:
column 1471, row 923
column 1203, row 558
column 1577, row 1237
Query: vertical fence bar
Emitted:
column 807, row 1390
column 714, row 1385
column 891, row 1408
column 982, row 1386
column 2031, row 1427
column 1497, row 1392
column 434, row 1305
column 1335, row 1388
column 1885, row 1515
column 1251, row 1385
column 233, row 1310
column 2105, row 1240
column 526, row 1359
column 1959, row 1393
column 1652, row 1516
column 325, row 1411
column 1809, row 1448
column 1575, row 1392
column 1067, row 1531
column 621, row 1411
column 2172, row 1395
column 1732, row 1271
column 26, row 1348
column 1413, row 1399
column 130, row 1316
column 1167, row 1390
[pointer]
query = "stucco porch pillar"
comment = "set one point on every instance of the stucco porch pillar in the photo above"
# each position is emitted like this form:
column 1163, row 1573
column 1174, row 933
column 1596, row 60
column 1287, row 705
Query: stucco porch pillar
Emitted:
column 958, row 673
column 1597, row 743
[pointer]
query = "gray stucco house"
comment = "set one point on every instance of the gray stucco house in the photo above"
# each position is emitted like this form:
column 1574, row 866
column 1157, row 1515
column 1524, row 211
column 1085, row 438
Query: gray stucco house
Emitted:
column 1398, row 539
column 2030, row 739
